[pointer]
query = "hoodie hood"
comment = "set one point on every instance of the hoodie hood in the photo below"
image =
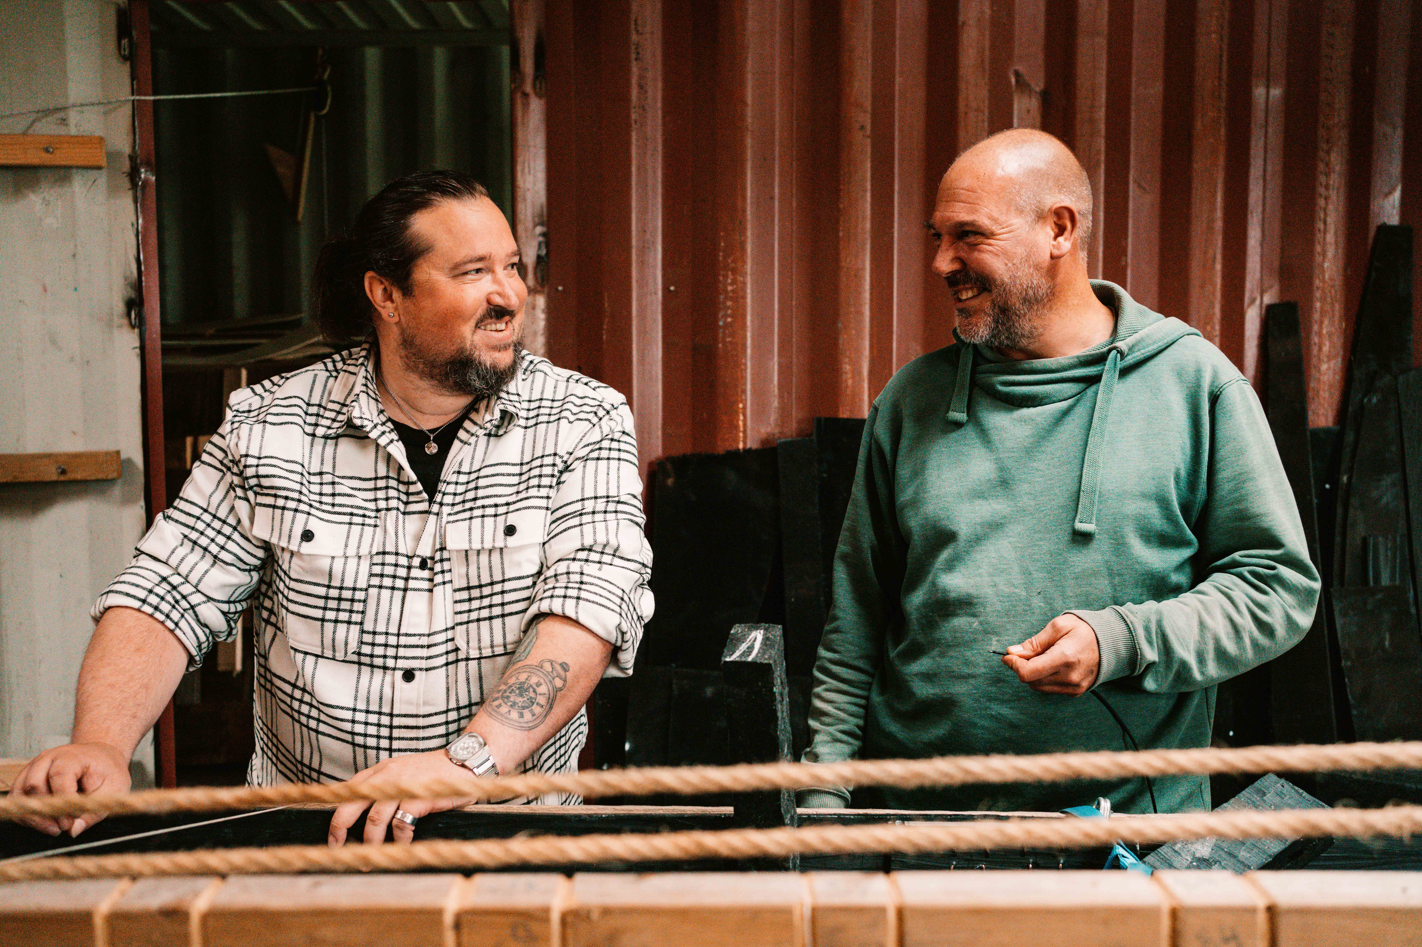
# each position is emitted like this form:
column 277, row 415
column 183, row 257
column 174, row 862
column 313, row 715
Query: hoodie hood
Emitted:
column 1140, row 335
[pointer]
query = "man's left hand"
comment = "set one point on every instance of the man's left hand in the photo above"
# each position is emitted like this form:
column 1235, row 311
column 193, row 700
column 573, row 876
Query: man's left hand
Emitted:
column 1062, row 658
column 416, row 766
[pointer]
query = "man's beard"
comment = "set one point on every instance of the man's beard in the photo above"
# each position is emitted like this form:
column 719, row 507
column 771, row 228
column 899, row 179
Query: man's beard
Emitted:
column 1012, row 319
column 464, row 371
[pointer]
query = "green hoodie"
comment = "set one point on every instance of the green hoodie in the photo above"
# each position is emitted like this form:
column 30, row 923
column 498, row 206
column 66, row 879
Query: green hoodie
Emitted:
column 1135, row 484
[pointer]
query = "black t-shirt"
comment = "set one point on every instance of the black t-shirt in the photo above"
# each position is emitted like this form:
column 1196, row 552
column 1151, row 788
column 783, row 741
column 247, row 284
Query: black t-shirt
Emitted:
column 428, row 467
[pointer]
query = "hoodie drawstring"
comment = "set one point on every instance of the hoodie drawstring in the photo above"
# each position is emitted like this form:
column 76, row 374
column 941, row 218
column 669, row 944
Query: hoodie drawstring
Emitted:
column 958, row 409
column 1095, row 446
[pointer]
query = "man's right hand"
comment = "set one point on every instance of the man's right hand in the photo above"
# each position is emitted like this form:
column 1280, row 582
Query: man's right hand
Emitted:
column 96, row 768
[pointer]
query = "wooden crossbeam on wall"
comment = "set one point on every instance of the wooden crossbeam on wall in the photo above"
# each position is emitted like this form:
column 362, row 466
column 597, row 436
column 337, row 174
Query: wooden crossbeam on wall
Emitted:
column 60, row 151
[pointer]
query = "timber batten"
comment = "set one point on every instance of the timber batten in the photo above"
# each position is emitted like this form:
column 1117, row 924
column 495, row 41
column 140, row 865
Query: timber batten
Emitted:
column 914, row 909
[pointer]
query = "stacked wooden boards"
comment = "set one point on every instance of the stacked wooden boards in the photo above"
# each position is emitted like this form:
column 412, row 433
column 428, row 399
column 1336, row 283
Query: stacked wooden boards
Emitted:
column 914, row 909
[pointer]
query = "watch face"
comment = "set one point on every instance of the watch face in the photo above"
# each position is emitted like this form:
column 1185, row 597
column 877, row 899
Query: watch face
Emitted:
column 465, row 747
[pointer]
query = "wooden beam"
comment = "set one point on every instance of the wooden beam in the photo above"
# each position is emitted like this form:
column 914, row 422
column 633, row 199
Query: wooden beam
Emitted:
column 157, row 912
column 1089, row 125
column 361, row 911
column 763, row 908
column 1207, row 180
column 56, row 913
column 59, row 151
column 1216, row 907
column 494, row 909
column 855, row 232
column 52, row 468
column 155, row 468
column 530, row 164
column 996, row 909
column 1341, row 909
column 645, row 304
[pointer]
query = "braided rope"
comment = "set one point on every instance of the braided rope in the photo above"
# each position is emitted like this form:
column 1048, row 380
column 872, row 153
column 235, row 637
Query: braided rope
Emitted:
column 752, row 777
column 735, row 843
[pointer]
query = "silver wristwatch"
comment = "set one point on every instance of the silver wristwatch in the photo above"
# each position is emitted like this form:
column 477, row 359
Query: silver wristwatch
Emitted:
column 469, row 750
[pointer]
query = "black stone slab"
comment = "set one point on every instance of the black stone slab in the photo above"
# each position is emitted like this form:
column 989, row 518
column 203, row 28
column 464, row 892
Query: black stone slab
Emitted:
column 837, row 446
column 804, row 576
column 715, row 537
column 1382, row 348
column 758, row 717
column 1375, row 548
column 1240, row 855
column 1300, row 681
column 1409, row 398
column 1382, row 661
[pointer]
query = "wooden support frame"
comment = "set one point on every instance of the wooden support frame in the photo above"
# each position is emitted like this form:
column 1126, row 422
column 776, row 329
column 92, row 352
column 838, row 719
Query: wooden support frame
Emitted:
column 150, row 329
column 57, row 468
column 55, row 151
column 914, row 909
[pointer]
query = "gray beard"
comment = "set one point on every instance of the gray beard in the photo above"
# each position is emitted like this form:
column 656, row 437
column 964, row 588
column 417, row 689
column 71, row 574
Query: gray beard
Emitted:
column 1013, row 317
column 464, row 373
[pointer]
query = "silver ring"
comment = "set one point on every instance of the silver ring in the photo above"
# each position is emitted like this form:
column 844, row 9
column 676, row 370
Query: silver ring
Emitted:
column 402, row 816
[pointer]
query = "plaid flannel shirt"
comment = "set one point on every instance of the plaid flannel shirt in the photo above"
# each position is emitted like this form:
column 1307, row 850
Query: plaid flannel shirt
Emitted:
column 383, row 618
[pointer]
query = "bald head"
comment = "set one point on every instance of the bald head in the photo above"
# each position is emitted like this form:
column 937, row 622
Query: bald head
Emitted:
column 1034, row 170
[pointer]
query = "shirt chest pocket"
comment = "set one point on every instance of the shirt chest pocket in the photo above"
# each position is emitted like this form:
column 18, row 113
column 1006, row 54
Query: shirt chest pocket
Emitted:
column 496, row 559
column 321, row 573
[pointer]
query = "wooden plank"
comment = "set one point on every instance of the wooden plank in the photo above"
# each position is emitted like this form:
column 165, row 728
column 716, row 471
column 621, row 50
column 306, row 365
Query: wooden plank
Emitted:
column 1089, row 125
column 1343, row 909
column 853, row 909
column 495, row 910
column 1394, row 22
column 60, row 467
column 1263, row 202
column 58, row 151
column 159, row 912
column 755, row 908
column 1329, row 324
column 1215, row 908
column 529, row 112
column 1008, row 909
column 151, row 328
column 645, row 304
column 1207, row 173
column 856, row 294
column 350, row 910
column 974, row 82
column 55, row 913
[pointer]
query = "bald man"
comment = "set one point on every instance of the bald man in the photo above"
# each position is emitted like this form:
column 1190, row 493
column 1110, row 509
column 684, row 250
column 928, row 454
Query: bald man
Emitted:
column 1080, row 496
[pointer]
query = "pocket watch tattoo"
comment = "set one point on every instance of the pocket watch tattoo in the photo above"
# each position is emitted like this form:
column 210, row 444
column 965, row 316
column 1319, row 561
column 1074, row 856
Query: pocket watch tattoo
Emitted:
column 525, row 698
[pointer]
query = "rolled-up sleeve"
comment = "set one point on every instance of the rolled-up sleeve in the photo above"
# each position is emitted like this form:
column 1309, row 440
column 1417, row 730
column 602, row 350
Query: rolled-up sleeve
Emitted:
column 597, row 558
column 198, row 565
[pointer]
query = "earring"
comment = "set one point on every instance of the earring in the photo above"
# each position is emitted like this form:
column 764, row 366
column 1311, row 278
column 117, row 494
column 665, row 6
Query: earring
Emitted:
column 390, row 315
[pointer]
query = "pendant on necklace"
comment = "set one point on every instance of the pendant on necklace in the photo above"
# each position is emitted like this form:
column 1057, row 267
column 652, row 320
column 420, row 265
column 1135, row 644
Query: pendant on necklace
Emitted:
column 431, row 447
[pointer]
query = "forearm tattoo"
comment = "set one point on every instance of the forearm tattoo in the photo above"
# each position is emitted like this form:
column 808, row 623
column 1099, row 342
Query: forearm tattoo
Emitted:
column 526, row 695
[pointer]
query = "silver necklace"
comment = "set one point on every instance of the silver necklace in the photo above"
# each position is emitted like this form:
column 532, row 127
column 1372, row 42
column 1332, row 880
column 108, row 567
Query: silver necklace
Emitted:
column 431, row 447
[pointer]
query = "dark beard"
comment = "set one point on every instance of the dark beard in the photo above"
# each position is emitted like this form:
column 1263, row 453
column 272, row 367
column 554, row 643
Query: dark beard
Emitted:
column 1012, row 319
column 464, row 372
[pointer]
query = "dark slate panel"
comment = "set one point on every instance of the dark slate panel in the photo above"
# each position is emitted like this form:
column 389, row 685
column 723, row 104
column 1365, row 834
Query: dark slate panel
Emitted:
column 1241, row 855
column 1382, row 661
column 715, row 536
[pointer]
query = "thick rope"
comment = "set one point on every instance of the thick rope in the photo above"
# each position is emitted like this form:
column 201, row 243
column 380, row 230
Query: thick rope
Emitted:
column 735, row 843
column 696, row 780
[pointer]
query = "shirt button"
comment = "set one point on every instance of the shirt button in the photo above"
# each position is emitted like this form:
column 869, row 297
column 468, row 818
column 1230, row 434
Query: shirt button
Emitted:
column 510, row 529
column 408, row 677
column 307, row 535
column 424, row 563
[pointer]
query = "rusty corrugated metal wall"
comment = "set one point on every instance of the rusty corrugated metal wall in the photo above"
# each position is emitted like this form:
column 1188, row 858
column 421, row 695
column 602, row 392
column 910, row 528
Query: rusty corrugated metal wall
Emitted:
column 736, row 189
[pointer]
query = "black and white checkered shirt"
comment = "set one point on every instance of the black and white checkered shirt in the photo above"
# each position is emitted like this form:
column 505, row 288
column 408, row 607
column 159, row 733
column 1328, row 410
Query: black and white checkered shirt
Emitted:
column 385, row 617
